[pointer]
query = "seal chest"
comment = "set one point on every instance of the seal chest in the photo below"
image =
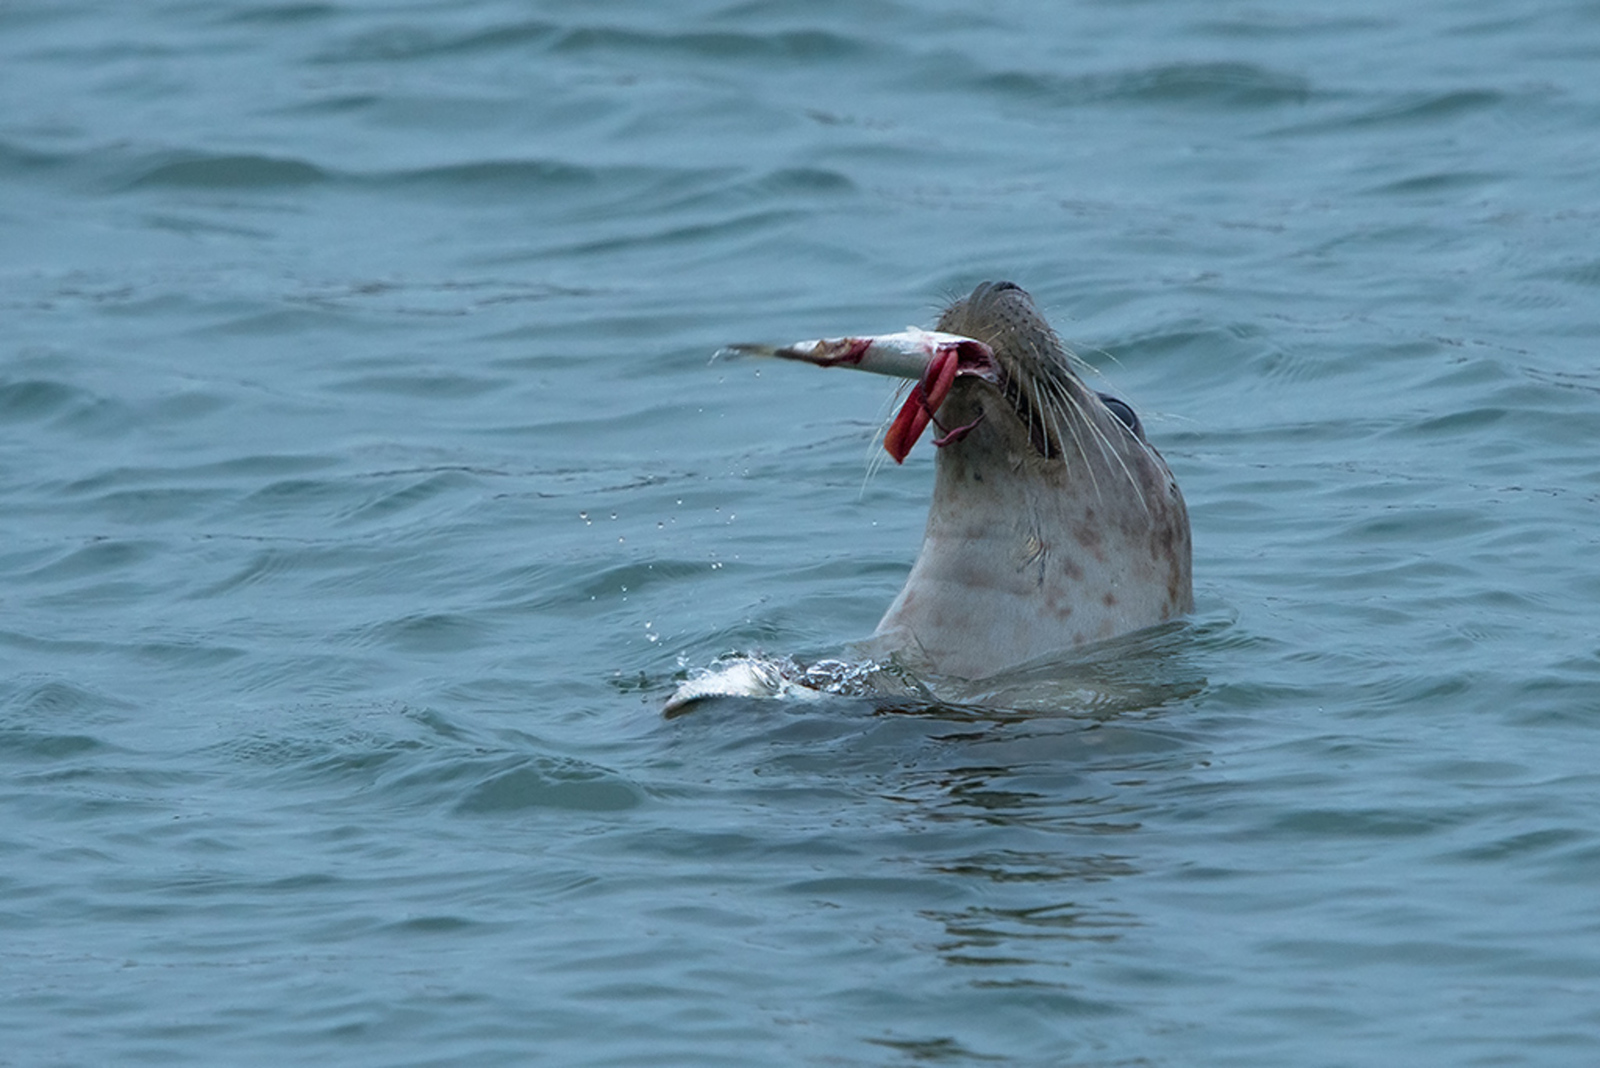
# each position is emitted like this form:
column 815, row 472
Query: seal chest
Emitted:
column 1054, row 522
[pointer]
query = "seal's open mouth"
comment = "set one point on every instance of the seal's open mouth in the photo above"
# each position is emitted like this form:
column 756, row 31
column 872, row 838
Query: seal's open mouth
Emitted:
column 930, row 392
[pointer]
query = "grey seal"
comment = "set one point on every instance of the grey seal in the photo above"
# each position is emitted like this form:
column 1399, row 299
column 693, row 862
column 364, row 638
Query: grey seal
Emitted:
column 1054, row 522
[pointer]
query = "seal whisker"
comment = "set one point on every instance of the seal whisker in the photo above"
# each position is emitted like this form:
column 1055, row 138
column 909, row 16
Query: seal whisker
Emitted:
column 1108, row 450
column 1112, row 453
column 1061, row 400
column 1038, row 425
column 886, row 416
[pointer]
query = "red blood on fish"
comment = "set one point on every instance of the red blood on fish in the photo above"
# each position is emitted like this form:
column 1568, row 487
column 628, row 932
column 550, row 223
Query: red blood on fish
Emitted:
column 926, row 396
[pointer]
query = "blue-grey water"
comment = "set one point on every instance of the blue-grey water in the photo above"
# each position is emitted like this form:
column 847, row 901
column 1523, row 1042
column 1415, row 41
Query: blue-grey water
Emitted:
column 366, row 484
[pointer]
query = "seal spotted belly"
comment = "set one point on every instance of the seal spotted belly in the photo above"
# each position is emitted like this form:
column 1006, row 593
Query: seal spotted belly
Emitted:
column 1054, row 522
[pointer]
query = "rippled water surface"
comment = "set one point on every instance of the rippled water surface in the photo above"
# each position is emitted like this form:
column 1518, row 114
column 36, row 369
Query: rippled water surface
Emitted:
column 366, row 485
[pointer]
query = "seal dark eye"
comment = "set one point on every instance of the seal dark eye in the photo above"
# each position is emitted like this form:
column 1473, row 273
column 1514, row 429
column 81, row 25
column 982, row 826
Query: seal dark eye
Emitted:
column 1119, row 408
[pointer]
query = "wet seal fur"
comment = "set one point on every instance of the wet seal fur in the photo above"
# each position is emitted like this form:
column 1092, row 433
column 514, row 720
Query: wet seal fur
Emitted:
column 1054, row 522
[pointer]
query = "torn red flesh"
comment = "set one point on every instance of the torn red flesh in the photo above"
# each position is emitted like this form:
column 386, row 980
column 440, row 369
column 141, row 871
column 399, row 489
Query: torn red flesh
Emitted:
column 926, row 396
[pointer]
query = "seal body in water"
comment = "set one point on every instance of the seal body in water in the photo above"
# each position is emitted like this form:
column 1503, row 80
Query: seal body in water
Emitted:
column 1054, row 522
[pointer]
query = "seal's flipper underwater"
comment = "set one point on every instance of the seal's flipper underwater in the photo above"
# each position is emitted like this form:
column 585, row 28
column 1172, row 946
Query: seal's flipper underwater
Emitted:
column 1054, row 522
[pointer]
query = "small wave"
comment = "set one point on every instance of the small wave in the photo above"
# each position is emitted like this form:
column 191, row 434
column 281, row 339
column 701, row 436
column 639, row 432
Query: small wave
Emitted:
column 228, row 172
column 1584, row 272
column 24, row 704
column 548, row 782
column 430, row 633
column 420, row 383
column 30, row 399
column 755, row 224
column 421, row 758
column 787, row 181
column 18, row 159
column 404, row 43
column 279, row 14
column 808, row 45
column 514, row 176
column 97, row 558
column 1205, row 84
column 1402, row 110
column 641, row 187
column 44, row 746
column 1439, row 182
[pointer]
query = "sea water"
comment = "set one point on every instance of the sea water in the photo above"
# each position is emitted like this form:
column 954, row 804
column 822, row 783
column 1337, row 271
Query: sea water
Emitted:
column 367, row 483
